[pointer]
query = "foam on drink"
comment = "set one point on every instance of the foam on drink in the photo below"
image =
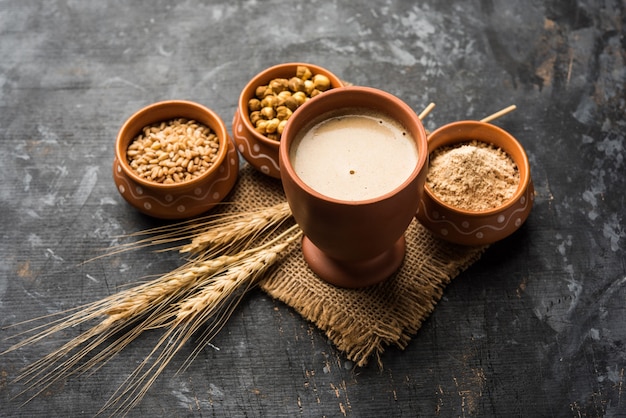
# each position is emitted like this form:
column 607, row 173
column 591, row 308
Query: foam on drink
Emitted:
column 354, row 155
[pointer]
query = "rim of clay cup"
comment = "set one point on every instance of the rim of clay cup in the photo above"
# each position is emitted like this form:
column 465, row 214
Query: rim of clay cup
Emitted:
column 523, row 165
column 365, row 92
column 164, row 111
column 265, row 77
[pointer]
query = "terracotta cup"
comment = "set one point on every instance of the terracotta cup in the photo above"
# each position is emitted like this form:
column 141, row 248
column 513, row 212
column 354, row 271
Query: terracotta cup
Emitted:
column 260, row 151
column 354, row 243
column 466, row 227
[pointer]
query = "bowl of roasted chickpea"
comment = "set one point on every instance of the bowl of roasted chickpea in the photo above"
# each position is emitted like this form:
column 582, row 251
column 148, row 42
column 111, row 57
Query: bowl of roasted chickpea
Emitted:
column 267, row 102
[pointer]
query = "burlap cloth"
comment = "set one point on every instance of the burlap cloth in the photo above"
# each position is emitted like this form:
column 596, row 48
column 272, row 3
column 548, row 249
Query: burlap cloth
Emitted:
column 362, row 322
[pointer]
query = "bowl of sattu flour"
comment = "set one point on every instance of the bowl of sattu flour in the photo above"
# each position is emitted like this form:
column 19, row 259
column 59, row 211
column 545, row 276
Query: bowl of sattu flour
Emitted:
column 478, row 189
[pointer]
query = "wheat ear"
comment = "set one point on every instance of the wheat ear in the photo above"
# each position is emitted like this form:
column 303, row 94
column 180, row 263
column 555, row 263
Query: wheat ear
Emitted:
column 237, row 230
column 232, row 231
column 141, row 306
column 209, row 305
column 160, row 303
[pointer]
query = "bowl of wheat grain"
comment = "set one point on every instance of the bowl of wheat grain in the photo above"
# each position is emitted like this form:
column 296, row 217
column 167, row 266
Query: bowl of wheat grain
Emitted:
column 174, row 160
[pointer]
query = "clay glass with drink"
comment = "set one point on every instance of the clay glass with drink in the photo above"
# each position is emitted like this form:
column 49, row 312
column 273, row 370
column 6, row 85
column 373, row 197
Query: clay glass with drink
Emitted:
column 353, row 162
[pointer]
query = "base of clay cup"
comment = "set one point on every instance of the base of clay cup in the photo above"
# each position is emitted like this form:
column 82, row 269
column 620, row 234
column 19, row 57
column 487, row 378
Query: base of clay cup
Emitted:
column 354, row 274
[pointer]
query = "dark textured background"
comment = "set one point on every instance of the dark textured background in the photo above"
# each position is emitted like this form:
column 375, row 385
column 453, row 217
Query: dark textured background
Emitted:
column 536, row 328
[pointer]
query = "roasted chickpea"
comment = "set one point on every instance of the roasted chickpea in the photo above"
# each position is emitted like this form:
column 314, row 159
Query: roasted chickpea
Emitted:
column 321, row 82
column 283, row 112
column 254, row 105
column 268, row 112
column 261, row 126
column 296, row 84
column 300, row 97
column 269, row 101
column 255, row 116
column 272, row 125
column 308, row 87
column 292, row 103
column 279, row 84
column 303, row 72
column 281, row 127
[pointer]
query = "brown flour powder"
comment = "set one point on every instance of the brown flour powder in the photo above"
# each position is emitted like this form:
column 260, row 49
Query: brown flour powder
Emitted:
column 474, row 176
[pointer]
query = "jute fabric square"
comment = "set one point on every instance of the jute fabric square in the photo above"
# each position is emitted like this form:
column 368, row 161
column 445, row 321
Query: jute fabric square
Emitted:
column 361, row 322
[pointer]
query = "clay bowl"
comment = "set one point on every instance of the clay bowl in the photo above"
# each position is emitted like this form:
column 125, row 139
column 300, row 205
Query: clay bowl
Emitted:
column 179, row 200
column 354, row 243
column 260, row 151
column 466, row 227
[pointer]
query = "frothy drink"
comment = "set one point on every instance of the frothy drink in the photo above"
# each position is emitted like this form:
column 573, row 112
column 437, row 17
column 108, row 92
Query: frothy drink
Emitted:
column 354, row 155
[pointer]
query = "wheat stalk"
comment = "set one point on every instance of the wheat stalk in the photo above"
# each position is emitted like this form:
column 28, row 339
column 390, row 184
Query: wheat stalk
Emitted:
column 203, row 291
column 210, row 304
column 214, row 233
column 131, row 306
column 132, row 302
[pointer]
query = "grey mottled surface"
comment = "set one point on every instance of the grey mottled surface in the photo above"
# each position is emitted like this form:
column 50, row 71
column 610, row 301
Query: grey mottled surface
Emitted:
column 536, row 328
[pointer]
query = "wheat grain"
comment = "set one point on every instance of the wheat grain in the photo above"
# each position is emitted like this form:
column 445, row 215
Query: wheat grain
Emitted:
column 154, row 154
